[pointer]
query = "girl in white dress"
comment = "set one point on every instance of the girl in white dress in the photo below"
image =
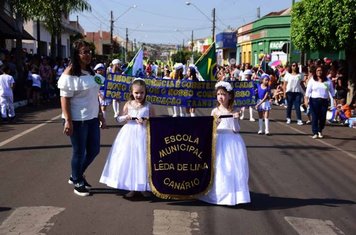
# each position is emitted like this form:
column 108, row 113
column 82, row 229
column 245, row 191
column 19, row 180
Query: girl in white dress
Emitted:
column 126, row 164
column 230, row 185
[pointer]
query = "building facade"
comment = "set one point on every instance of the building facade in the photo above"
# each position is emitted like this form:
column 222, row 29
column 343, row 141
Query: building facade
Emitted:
column 43, row 46
column 268, row 35
column 226, row 47
column 271, row 35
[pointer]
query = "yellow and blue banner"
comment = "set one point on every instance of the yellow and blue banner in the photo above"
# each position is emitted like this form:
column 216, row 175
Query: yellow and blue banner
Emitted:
column 170, row 92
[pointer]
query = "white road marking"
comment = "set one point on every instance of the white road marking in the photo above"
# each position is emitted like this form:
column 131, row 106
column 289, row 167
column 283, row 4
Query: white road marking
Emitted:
column 170, row 111
column 174, row 222
column 28, row 131
column 321, row 141
column 305, row 226
column 29, row 220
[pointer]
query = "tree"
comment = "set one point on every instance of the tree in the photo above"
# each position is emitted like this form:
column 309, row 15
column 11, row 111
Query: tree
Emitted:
column 182, row 56
column 22, row 14
column 51, row 13
column 325, row 25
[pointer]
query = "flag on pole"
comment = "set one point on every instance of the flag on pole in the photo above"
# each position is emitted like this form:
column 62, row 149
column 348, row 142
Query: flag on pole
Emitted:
column 135, row 67
column 206, row 64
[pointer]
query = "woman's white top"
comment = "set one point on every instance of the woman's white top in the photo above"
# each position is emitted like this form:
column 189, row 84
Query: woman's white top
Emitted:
column 317, row 89
column 83, row 91
column 293, row 82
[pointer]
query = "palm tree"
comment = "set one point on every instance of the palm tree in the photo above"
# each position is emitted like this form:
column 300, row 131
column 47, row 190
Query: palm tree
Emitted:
column 51, row 13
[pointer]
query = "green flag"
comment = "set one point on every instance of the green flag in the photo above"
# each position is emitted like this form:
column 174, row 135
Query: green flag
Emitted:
column 206, row 64
column 135, row 67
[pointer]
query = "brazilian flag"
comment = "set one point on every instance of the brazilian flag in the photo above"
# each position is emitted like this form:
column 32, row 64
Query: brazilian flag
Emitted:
column 135, row 67
column 206, row 64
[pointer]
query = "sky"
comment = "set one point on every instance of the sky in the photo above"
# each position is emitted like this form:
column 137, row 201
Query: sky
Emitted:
column 173, row 21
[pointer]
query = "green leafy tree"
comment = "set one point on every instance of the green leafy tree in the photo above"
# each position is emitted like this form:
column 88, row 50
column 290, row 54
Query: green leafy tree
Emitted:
column 326, row 25
column 53, row 12
column 181, row 56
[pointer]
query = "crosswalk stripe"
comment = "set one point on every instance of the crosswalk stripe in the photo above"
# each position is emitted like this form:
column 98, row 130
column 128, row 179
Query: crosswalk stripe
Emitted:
column 29, row 220
column 175, row 222
column 305, row 226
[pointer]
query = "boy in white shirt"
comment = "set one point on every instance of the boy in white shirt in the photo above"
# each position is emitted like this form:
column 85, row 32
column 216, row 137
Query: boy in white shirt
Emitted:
column 6, row 95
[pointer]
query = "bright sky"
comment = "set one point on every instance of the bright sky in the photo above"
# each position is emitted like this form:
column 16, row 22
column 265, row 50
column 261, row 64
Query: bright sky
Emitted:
column 172, row 21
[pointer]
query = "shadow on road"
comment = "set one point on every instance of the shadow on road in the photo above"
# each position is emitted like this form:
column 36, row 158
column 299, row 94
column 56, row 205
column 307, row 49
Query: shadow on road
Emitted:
column 5, row 209
column 44, row 147
column 261, row 201
column 290, row 147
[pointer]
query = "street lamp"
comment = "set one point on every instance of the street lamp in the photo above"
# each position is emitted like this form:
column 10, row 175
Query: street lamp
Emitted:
column 211, row 20
column 112, row 25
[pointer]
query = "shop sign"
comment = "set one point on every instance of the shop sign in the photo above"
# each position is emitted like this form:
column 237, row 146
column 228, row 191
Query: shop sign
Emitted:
column 276, row 45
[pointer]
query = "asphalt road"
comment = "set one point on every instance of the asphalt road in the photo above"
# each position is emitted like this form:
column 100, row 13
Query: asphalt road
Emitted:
column 298, row 185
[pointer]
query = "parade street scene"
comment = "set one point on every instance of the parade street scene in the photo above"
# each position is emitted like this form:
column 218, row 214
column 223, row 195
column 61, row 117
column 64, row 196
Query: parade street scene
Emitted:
column 178, row 117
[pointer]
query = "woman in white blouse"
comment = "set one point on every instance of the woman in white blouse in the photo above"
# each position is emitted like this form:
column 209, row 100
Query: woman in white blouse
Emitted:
column 317, row 94
column 293, row 92
column 81, row 114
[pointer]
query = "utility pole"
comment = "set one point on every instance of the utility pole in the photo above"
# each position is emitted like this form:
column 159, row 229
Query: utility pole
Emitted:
column 192, row 46
column 111, row 32
column 127, row 43
column 38, row 29
column 213, row 30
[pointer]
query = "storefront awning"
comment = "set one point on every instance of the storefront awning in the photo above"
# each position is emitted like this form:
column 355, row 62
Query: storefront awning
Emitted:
column 8, row 29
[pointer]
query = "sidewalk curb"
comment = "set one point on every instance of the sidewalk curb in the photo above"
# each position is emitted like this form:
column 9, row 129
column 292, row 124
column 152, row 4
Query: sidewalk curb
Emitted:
column 20, row 103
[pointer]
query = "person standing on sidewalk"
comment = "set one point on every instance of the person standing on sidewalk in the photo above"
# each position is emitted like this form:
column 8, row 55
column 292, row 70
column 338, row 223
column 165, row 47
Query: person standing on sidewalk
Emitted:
column 293, row 93
column 81, row 114
column 317, row 94
column 6, row 94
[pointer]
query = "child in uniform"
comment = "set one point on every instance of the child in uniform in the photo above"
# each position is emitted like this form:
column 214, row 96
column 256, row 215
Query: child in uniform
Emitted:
column 263, row 105
column 126, row 164
column 100, row 73
column 230, row 184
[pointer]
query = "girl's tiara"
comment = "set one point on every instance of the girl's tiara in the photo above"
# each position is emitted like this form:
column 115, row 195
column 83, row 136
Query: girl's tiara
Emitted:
column 138, row 79
column 224, row 84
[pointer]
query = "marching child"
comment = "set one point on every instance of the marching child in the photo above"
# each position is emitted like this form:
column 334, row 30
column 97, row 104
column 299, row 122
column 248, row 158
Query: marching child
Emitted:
column 230, row 184
column 99, row 69
column 126, row 164
column 263, row 105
